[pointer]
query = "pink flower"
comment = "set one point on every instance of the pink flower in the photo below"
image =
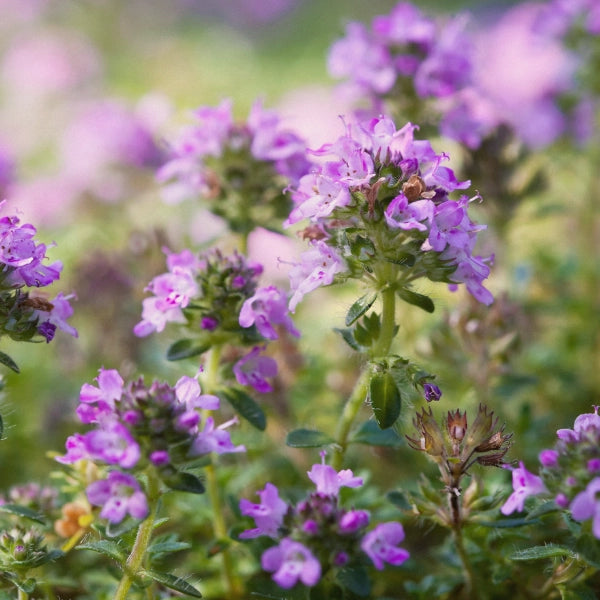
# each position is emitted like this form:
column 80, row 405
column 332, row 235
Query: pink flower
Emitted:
column 254, row 369
column 118, row 494
column 291, row 561
column 586, row 505
column 380, row 545
column 268, row 515
column 525, row 484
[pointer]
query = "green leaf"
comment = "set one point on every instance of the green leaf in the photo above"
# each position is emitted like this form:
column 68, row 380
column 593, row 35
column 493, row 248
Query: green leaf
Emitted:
column 420, row 300
column 399, row 499
column 23, row 511
column 507, row 523
column 540, row 552
column 184, row 481
column 360, row 307
column 173, row 582
column 166, row 545
column 27, row 586
column 588, row 549
column 106, row 547
column 307, row 438
column 369, row 433
column 185, row 349
column 1, row 427
column 7, row 361
column 246, row 406
column 385, row 399
column 356, row 579
column 114, row 530
column 349, row 338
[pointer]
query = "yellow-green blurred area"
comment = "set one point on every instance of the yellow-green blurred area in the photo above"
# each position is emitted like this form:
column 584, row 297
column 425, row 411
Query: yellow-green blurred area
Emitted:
column 533, row 356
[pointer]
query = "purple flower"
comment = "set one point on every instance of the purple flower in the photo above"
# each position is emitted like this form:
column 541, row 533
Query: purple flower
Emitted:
column 381, row 545
column 188, row 392
column 266, row 308
column 586, row 505
column 253, row 369
column 431, row 392
column 291, row 562
column 212, row 439
column 360, row 57
column 113, row 443
column 585, row 424
column 58, row 315
column 172, row 292
column 119, row 494
column 318, row 267
column 109, row 390
column 353, row 520
column 329, row 481
column 548, row 458
column 268, row 515
column 525, row 484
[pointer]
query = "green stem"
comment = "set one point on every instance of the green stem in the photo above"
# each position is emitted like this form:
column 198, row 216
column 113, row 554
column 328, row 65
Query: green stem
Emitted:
column 470, row 591
column 22, row 595
column 380, row 349
column 212, row 485
column 136, row 558
column 348, row 415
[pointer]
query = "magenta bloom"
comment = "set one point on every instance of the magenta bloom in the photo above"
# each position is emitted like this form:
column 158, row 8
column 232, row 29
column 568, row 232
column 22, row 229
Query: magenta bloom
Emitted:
column 254, row 369
column 57, row 317
column 292, row 562
column 353, row 520
column 119, row 494
column 266, row 308
column 215, row 439
column 188, row 392
column 525, row 484
column 381, row 545
column 587, row 423
column 586, row 505
column 548, row 458
column 268, row 515
column 172, row 292
column 329, row 481
column 318, row 266
column 109, row 390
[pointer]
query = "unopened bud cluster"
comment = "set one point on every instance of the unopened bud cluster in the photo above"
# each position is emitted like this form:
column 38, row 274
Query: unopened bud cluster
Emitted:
column 455, row 446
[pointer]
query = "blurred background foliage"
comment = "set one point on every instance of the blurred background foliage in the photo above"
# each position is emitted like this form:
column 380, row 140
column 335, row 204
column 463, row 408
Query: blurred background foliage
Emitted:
column 533, row 356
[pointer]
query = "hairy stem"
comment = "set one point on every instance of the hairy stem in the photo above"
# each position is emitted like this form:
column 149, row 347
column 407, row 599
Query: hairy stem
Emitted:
column 138, row 553
column 359, row 394
column 212, row 486
column 470, row 590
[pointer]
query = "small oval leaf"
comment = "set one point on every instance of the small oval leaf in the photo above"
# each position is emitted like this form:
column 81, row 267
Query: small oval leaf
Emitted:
column 7, row 361
column 360, row 307
column 185, row 349
column 184, row 481
column 246, row 406
column 173, row 582
column 307, row 438
column 23, row 511
column 539, row 552
column 420, row 300
column 106, row 547
column 369, row 433
column 385, row 399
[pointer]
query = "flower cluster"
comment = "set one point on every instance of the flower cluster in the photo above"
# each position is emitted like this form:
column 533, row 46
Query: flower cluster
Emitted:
column 380, row 210
column 570, row 472
column 317, row 534
column 240, row 167
column 218, row 299
column 136, row 426
column 22, row 260
column 439, row 70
